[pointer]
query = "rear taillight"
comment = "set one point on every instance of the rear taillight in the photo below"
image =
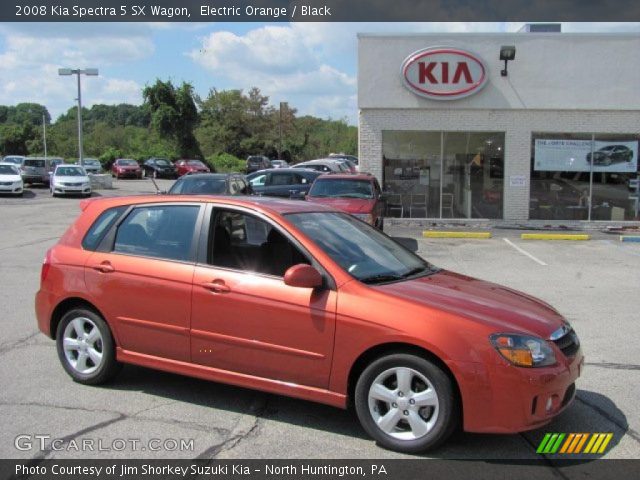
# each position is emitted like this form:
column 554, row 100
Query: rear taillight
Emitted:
column 46, row 266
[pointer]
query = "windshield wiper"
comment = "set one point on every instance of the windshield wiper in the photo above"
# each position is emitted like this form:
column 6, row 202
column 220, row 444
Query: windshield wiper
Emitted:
column 417, row 270
column 385, row 277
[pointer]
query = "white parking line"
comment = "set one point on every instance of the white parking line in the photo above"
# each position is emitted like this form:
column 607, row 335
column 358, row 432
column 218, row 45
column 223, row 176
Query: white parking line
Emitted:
column 524, row 252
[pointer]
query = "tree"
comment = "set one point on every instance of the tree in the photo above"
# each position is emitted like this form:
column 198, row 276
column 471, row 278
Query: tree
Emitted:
column 174, row 114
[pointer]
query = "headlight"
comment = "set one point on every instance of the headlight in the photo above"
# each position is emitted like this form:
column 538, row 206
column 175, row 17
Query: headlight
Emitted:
column 365, row 217
column 523, row 350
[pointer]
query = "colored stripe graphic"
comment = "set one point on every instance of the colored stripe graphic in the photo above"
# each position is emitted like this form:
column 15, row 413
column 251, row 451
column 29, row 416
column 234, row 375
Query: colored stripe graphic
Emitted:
column 572, row 443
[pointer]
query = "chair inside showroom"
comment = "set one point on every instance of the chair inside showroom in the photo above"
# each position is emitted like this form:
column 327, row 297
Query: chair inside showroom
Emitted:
column 419, row 203
column 447, row 204
column 394, row 203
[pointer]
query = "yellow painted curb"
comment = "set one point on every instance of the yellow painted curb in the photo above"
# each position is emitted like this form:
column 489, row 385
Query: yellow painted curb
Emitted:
column 555, row 236
column 437, row 234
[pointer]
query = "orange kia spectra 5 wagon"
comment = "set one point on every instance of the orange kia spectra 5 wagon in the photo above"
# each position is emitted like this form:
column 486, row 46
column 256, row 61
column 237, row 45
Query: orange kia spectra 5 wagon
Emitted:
column 298, row 299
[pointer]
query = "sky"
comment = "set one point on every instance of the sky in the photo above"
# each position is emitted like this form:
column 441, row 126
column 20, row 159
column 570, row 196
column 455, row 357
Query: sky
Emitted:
column 312, row 66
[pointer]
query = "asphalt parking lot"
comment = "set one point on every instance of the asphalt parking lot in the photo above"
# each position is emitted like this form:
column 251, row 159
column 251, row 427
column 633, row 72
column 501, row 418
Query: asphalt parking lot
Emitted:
column 595, row 284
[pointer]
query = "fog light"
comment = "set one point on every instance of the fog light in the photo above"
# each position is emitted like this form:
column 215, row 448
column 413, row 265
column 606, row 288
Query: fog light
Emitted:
column 549, row 404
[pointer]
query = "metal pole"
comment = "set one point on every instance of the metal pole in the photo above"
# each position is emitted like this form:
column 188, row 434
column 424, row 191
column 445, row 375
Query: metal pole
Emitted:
column 280, row 133
column 44, row 134
column 593, row 141
column 80, row 156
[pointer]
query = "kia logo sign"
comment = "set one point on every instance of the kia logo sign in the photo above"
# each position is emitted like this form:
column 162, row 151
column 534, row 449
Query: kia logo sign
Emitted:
column 444, row 73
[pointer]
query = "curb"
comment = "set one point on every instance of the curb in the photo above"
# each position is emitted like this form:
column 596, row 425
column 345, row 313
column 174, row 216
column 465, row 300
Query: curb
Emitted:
column 554, row 236
column 630, row 238
column 439, row 234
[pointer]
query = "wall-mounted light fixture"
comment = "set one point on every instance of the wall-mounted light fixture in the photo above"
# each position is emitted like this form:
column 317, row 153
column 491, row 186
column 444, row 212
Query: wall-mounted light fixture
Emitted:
column 507, row 53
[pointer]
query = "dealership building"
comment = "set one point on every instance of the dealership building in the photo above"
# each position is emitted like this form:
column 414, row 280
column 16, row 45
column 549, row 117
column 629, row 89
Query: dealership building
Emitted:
column 513, row 126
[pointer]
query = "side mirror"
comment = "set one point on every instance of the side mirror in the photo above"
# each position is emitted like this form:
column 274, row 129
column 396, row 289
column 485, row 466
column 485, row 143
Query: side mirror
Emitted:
column 303, row 276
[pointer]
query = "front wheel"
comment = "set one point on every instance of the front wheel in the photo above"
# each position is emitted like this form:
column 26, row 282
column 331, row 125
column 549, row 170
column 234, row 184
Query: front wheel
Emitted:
column 86, row 348
column 406, row 403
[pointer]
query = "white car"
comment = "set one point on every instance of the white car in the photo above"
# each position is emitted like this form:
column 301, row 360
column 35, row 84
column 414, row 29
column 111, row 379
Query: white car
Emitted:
column 10, row 179
column 70, row 179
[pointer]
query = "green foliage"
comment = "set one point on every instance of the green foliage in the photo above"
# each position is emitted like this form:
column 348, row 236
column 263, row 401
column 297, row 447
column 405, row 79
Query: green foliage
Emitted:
column 174, row 114
column 229, row 126
column 225, row 162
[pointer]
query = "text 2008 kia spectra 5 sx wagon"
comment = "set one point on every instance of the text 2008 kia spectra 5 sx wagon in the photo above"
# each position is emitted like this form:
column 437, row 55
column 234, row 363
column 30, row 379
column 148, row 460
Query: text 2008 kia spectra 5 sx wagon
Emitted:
column 297, row 299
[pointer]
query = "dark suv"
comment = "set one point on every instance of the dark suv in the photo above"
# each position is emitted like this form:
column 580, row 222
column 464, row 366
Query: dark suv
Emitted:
column 211, row 184
column 282, row 182
column 257, row 162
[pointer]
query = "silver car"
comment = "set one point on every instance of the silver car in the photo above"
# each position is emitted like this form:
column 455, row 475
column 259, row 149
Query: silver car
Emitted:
column 92, row 165
column 70, row 179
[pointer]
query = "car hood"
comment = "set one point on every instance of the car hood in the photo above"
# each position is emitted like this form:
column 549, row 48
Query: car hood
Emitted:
column 349, row 205
column 498, row 307
column 10, row 178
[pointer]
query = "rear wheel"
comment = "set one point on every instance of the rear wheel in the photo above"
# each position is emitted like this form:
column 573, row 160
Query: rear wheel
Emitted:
column 406, row 403
column 86, row 348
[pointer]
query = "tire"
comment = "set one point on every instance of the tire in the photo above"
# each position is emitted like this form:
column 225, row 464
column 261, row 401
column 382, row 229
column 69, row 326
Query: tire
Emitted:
column 412, row 427
column 97, row 342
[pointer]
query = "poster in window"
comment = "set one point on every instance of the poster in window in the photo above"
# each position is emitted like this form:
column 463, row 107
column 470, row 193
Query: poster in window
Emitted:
column 575, row 155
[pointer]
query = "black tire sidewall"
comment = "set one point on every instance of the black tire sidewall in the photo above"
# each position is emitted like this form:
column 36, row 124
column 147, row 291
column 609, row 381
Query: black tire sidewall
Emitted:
column 448, row 411
column 109, row 364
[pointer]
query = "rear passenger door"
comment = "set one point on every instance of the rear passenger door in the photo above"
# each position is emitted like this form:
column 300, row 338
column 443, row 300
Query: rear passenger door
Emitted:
column 141, row 278
column 280, row 184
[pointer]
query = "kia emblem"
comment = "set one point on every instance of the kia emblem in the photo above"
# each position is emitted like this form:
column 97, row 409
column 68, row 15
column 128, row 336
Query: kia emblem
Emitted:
column 444, row 73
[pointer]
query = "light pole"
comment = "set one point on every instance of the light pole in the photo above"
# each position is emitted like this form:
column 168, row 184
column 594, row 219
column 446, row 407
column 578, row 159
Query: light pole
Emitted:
column 78, row 72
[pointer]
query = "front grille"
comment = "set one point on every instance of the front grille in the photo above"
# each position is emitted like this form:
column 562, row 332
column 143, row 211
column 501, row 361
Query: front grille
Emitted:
column 6, row 184
column 568, row 344
column 72, row 184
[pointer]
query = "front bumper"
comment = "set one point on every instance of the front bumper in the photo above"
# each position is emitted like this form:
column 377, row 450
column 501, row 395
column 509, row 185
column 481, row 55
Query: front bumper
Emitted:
column 129, row 174
column 507, row 399
column 63, row 190
column 11, row 189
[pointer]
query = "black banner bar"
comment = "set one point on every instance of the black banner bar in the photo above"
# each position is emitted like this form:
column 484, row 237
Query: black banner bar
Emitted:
column 544, row 469
column 319, row 11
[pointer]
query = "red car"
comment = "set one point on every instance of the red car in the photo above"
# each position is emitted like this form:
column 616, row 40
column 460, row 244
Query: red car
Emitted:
column 360, row 195
column 185, row 167
column 126, row 168
column 298, row 299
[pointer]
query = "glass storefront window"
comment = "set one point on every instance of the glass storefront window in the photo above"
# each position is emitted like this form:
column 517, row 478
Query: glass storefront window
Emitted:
column 583, row 176
column 431, row 174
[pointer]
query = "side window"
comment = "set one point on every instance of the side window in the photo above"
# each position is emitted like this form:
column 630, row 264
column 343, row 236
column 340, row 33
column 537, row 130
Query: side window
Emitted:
column 258, row 181
column 243, row 242
column 177, row 187
column 281, row 179
column 161, row 231
column 101, row 226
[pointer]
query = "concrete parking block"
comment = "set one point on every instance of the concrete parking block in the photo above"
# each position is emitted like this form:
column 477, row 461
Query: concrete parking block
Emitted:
column 555, row 236
column 630, row 238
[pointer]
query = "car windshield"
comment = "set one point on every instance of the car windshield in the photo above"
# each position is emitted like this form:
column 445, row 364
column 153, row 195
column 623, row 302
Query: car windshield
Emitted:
column 333, row 187
column 8, row 170
column 193, row 185
column 90, row 161
column 195, row 163
column 360, row 249
column 69, row 172
column 127, row 162
column 162, row 162
column 16, row 160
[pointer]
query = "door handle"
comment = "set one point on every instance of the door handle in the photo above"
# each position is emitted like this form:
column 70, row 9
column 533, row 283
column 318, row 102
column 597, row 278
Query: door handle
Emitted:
column 104, row 267
column 217, row 286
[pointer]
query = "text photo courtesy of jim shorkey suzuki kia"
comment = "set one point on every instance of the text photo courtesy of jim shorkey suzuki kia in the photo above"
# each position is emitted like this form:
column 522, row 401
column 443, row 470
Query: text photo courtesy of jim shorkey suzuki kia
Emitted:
column 238, row 244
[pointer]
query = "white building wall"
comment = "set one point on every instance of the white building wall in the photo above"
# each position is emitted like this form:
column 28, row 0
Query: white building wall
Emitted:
column 518, row 126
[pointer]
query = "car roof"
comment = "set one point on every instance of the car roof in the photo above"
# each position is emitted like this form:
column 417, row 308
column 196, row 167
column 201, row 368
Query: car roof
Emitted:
column 210, row 175
column 8, row 164
column 347, row 176
column 285, row 170
column 261, row 204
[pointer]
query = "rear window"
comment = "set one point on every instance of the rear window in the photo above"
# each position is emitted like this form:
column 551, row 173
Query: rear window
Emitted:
column 101, row 226
column 34, row 163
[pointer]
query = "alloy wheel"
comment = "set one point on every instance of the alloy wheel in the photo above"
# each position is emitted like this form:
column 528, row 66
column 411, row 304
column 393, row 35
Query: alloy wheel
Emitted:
column 83, row 345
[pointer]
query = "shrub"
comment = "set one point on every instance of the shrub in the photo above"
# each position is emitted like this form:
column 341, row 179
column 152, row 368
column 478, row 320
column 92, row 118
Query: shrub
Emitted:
column 225, row 162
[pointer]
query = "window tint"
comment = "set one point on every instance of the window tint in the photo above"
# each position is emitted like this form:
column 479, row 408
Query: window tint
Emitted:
column 244, row 242
column 34, row 163
column 162, row 231
column 283, row 179
column 101, row 226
